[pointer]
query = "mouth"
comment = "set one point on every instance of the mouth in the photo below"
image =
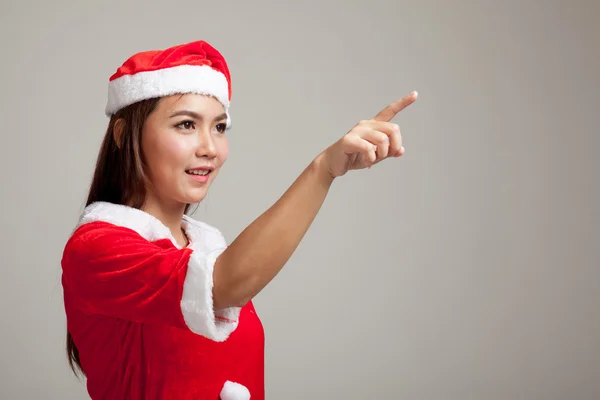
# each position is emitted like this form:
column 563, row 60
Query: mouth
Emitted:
column 199, row 172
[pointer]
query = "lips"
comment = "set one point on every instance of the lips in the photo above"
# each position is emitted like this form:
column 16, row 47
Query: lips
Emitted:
column 200, row 171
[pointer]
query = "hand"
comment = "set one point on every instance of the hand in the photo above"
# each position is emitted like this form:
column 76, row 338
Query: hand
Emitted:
column 369, row 142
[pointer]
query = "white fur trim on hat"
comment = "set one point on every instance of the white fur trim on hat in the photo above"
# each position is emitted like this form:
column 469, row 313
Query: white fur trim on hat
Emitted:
column 128, row 89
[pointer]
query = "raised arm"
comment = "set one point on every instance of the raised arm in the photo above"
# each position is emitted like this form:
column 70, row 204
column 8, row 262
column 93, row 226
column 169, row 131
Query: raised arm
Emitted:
column 256, row 256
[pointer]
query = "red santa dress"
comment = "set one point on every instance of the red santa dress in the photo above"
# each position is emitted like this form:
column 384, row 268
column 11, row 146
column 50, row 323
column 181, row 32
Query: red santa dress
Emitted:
column 139, row 308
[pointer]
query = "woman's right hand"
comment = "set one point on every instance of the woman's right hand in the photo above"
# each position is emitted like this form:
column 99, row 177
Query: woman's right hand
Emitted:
column 368, row 142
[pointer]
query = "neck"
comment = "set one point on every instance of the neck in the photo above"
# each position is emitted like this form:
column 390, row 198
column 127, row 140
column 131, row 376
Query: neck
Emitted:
column 170, row 215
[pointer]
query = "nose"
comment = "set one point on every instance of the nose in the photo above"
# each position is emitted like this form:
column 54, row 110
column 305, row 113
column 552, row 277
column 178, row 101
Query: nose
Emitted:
column 206, row 145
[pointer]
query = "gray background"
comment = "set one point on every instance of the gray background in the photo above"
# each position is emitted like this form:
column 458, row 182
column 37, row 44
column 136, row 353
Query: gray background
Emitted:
column 467, row 269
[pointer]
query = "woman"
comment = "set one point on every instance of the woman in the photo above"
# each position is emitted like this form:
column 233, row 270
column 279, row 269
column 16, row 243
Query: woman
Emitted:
column 158, row 305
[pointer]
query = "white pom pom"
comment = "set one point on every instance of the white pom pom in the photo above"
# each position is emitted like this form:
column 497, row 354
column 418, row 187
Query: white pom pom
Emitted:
column 234, row 391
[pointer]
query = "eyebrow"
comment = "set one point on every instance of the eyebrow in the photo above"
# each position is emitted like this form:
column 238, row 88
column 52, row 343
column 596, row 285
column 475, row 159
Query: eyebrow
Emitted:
column 196, row 115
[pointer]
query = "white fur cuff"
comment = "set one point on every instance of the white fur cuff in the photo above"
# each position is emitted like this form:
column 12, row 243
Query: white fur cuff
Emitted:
column 197, row 300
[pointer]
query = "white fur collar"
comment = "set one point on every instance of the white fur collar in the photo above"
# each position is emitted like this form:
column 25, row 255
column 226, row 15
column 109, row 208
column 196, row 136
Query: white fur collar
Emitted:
column 203, row 237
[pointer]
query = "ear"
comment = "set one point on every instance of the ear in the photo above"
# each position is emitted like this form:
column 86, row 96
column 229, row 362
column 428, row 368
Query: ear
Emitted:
column 118, row 130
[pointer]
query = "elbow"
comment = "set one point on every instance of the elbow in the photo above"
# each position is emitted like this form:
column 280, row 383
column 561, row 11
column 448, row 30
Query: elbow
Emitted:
column 222, row 302
column 240, row 298
column 241, row 302
column 233, row 290
column 227, row 297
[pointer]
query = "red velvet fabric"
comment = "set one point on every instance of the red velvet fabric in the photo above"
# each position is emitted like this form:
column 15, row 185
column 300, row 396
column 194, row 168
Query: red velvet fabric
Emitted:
column 122, row 300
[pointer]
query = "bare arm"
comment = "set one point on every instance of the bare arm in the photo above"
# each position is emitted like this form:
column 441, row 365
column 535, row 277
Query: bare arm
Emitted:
column 263, row 248
column 256, row 256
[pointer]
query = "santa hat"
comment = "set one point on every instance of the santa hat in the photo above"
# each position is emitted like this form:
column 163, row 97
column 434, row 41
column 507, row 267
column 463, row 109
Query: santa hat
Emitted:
column 194, row 67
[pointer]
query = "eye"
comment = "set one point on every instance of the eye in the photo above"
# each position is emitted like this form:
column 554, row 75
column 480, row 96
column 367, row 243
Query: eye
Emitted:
column 186, row 125
column 222, row 127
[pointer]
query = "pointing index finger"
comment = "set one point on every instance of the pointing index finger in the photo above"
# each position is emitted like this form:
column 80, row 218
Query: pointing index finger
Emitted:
column 390, row 111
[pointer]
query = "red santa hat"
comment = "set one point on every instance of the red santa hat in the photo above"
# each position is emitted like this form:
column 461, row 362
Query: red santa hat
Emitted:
column 194, row 67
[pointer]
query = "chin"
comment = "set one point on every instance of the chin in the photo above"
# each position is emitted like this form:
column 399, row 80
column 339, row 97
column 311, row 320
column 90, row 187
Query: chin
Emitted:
column 195, row 196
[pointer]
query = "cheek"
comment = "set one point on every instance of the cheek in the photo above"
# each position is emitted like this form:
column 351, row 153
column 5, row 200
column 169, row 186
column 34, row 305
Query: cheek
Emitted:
column 165, row 151
column 175, row 150
column 223, row 150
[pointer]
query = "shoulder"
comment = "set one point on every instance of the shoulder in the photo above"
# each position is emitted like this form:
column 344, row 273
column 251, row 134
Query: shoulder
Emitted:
column 144, row 224
column 100, row 238
column 105, row 229
column 95, row 232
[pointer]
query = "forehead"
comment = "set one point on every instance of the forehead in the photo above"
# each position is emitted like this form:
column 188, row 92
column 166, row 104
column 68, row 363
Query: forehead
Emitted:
column 199, row 103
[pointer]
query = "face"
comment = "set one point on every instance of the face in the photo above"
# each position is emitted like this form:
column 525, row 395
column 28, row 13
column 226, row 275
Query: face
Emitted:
column 182, row 140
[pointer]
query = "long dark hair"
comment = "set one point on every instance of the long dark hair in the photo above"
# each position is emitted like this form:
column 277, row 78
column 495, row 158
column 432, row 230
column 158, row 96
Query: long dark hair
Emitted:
column 119, row 176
